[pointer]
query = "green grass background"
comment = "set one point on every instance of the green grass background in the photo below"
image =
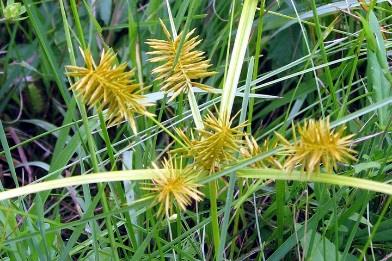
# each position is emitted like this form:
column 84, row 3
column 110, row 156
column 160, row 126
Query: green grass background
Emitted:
column 322, row 58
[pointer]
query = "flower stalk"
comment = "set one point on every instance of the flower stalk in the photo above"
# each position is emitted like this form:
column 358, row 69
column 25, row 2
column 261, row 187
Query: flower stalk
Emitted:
column 149, row 174
column 324, row 178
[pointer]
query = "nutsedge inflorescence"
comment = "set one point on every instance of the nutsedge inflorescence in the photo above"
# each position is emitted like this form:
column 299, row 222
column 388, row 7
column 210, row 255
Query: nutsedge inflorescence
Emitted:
column 317, row 144
column 175, row 185
column 215, row 145
column 109, row 86
column 179, row 75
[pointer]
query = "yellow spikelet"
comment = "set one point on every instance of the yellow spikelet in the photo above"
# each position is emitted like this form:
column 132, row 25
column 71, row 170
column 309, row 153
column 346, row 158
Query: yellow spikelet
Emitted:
column 108, row 86
column 175, row 185
column 191, row 64
column 216, row 145
column 318, row 144
column 252, row 149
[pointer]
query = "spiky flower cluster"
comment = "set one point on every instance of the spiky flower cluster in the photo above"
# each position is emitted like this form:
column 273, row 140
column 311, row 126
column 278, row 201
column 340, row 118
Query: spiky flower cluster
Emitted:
column 179, row 75
column 252, row 149
column 318, row 144
column 216, row 144
column 175, row 185
column 108, row 85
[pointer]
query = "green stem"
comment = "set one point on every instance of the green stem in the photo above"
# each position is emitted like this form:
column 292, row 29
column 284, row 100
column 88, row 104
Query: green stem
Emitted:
column 167, row 131
column 171, row 236
column 106, row 138
column 214, row 216
column 157, row 238
column 375, row 228
column 134, row 41
column 148, row 174
column 280, row 200
column 343, row 107
column 77, row 23
column 229, row 41
column 333, row 179
column 332, row 90
column 256, row 66
column 235, row 231
column 110, row 176
column 179, row 228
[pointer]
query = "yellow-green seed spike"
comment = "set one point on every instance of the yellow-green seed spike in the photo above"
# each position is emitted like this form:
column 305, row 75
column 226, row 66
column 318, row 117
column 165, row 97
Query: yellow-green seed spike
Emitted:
column 108, row 86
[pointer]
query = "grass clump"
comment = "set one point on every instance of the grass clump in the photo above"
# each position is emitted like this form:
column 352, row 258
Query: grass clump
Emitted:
column 160, row 167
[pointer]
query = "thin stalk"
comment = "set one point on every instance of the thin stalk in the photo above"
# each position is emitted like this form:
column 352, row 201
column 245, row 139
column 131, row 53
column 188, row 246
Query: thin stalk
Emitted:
column 106, row 138
column 110, row 176
column 82, row 108
column 332, row 179
column 343, row 107
column 77, row 23
column 258, row 226
column 229, row 41
column 178, row 228
column 171, row 236
column 235, row 231
column 167, row 131
column 214, row 216
column 102, row 124
column 310, row 57
column 256, row 66
column 159, row 119
column 172, row 26
column 8, row 156
column 156, row 237
column 280, row 200
column 331, row 85
column 134, row 42
column 180, row 109
column 375, row 228
column 148, row 174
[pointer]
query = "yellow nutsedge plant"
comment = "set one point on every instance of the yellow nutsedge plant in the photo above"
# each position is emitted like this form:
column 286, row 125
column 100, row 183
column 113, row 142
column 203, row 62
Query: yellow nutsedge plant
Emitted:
column 109, row 86
column 175, row 185
column 318, row 144
column 252, row 149
column 216, row 144
column 191, row 64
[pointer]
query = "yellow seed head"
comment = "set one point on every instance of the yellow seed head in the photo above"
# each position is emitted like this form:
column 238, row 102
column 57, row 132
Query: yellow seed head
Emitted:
column 191, row 64
column 318, row 144
column 216, row 145
column 175, row 185
column 108, row 86
column 252, row 149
